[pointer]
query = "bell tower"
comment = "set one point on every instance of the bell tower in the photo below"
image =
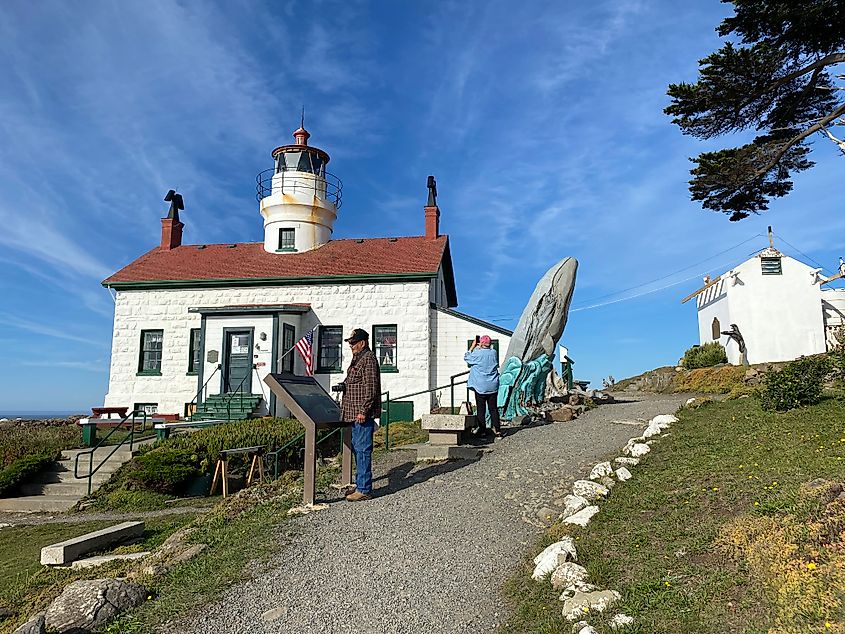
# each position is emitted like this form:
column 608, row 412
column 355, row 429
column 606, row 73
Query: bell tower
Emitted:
column 297, row 197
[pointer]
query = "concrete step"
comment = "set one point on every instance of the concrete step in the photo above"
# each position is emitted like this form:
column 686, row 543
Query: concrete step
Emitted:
column 38, row 504
column 66, row 466
column 78, row 488
column 122, row 453
column 58, row 477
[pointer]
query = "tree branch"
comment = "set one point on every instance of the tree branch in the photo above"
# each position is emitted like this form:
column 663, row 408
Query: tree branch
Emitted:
column 827, row 60
column 816, row 127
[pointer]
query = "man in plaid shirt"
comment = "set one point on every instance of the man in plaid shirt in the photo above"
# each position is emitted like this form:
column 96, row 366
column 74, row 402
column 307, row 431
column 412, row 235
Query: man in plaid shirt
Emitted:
column 362, row 404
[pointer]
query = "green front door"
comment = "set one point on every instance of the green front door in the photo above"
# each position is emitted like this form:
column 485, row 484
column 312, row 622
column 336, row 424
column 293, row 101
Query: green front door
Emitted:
column 237, row 362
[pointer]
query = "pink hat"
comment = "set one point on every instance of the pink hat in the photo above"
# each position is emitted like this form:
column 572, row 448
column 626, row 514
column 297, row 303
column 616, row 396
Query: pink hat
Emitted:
column 484, row 339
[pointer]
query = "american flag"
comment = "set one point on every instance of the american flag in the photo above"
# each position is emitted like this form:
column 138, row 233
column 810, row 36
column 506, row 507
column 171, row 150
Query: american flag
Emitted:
column 304, row 347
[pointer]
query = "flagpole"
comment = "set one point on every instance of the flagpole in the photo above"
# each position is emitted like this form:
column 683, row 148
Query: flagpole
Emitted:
column 291, row 349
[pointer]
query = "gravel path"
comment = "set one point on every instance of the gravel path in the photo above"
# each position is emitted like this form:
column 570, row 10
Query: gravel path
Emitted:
column 430, row 552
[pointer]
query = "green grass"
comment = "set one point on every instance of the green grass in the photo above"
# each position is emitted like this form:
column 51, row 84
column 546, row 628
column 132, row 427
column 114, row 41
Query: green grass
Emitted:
column 401, row 433
column 655, row 539
column 26, row 586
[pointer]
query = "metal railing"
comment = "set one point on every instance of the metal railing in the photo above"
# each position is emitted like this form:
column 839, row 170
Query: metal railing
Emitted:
column 276, row 454
column 325, row 186
column 386, row 402
column 192, row 406
column 130, row 438
column 239, row 393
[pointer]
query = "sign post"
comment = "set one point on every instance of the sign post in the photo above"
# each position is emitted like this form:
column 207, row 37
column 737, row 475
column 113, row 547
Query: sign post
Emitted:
column 314, row 409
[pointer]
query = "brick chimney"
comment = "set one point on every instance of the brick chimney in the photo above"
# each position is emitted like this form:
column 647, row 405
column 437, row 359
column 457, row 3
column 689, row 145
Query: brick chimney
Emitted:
column 432, row 211
column 171, row 233
column 171, row 227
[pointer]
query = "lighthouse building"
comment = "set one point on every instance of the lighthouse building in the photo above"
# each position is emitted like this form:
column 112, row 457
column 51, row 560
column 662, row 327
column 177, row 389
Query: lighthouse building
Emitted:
column 196, row 324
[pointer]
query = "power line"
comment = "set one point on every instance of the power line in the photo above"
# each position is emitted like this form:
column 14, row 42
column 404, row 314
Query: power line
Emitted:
column 816, row 262
column 686, row 268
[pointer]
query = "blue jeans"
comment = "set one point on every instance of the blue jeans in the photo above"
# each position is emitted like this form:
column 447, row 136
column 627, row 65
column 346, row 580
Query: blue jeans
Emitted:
column 362, row 445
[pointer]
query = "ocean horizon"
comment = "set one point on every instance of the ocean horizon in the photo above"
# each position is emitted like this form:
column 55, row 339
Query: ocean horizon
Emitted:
column 34, row 415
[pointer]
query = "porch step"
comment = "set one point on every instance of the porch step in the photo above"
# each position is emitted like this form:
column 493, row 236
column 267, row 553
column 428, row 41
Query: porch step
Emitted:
column 219, row 406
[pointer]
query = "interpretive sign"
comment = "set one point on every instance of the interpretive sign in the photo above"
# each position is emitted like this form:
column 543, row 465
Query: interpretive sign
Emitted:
column 314, row 409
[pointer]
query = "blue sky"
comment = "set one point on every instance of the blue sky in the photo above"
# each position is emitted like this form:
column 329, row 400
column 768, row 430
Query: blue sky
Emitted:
column 542, row 122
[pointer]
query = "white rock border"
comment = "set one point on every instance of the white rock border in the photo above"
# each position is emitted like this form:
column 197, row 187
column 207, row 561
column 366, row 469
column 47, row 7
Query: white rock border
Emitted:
column 555, row 563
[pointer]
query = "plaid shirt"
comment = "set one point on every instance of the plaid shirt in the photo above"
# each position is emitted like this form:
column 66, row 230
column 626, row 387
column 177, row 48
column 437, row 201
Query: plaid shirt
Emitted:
column 363, row 387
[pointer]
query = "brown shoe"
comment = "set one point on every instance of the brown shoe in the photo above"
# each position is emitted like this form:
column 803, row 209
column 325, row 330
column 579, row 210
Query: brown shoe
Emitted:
column 357, row 496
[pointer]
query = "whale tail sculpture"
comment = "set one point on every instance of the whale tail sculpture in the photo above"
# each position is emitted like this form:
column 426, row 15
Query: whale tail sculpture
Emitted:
column 531, row 351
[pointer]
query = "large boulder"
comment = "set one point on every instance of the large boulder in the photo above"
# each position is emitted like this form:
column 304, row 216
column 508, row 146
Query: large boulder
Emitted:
column 561, row 415
column 35, row 625
column 87, row 605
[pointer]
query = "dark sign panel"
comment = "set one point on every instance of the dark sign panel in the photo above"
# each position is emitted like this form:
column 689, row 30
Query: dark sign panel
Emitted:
column 311, row 398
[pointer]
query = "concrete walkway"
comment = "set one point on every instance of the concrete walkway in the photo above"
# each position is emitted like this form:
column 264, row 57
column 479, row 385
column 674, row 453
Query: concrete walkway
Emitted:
column 431, row 551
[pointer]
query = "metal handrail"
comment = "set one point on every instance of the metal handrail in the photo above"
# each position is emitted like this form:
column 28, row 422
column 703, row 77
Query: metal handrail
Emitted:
column 239, row 392
column 386, row 402
column 90, row 452
column 276, row 453
column 325, row 185
column 194, row 402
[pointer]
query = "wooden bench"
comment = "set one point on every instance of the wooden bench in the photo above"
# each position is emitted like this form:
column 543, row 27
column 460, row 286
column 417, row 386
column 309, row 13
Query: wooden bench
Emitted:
column 106, row 412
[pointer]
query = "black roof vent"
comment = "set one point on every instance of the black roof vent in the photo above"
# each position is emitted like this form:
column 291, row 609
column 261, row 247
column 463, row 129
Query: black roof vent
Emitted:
column 391, row 239
column 232, row 246
column 200, row 246
column 360, row 241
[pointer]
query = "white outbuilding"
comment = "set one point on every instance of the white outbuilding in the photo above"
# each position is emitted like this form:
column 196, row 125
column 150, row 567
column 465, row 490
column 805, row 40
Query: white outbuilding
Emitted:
column 195, row 324
column 774, row 304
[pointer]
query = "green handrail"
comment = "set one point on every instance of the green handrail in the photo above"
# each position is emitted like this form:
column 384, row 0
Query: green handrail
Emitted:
column 90, row 452
column 276, row 453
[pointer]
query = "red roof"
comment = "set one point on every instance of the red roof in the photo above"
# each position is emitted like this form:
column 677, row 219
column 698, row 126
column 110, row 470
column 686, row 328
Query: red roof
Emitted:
column 249, row 261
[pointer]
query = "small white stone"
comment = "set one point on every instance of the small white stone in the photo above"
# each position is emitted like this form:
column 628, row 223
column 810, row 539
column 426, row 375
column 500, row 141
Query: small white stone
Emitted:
column 627, row 462
column 652, row 430
column 589, row 490
column 639, row 450
column 622, row 474
column 588, row 630
column 664, row 419
column 600, row 470
column 621, row 620
column 689, row 402
column 568, row 574
column 554, row 555
column 582, row 517
column 573, row 504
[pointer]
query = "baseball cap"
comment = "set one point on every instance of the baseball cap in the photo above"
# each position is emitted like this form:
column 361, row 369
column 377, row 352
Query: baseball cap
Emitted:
column 484, row 339
column 358, row 335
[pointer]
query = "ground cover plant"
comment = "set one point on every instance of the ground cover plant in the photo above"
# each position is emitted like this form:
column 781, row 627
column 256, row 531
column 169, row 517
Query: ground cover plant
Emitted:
column 27, row 587
column 719, row 530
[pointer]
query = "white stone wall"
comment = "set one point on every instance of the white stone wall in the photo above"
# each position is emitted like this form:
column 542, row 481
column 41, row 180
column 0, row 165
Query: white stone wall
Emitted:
column 449, row 336
column 349, row 306
column 779, row 316
column 713, row 303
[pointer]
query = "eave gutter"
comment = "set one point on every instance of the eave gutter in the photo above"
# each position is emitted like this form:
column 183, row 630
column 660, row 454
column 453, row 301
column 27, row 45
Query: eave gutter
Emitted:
column 269, row 281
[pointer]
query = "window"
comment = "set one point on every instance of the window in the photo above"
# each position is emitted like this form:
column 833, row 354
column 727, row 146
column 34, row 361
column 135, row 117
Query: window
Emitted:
column 717, row 329
column 771, row 266
column 384, row 347
column 150, row 360
column 288, row 341
column 287, row 239
column 194, row 351
column 331, row 346
column 494, row 343
column 149, row 408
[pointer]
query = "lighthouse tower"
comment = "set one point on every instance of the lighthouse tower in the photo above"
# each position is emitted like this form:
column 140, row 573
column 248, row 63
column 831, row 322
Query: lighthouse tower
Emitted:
column 298, row 198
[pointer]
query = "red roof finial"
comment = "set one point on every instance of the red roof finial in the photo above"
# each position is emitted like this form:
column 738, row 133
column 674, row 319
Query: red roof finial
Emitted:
column 301, row 135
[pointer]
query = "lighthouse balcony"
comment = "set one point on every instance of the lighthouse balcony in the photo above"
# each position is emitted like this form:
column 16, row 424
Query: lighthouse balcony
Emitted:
column 322, row 184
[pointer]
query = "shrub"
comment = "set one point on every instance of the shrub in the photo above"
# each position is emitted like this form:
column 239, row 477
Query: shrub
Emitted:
column 163, row 470
column 799, row 383
column 31, row 440
column 21, row 470
column 705, row 356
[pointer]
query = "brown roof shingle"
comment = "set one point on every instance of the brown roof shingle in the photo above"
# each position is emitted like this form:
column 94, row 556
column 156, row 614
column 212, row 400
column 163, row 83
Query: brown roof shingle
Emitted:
column 249, row 261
